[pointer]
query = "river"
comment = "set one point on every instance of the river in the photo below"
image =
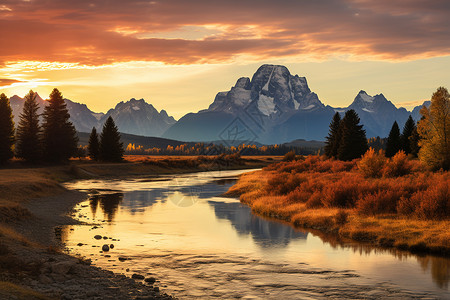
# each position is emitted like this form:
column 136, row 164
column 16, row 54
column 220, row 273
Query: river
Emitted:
column 198, row 244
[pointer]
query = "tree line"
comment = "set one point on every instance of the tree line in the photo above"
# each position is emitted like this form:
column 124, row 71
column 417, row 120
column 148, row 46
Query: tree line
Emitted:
column 429, row 139
column 55, row 139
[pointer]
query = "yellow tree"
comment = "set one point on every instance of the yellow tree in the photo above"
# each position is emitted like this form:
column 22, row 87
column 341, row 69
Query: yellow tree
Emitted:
column 434, row 130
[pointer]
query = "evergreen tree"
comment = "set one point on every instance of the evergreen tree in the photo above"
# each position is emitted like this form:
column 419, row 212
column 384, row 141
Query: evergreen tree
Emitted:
column 6, row 130
column 414, row 143
column 334, row 137
column 59, row 135
column 408, row 130
column 94, row 146
column 111, row 148
column 353, row 141
column 29, row 145
column 434, row 131
column 393, row 143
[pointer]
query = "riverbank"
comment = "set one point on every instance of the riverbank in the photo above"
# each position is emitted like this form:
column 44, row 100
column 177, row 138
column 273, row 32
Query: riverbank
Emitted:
column 33, row 203
column 334, row 197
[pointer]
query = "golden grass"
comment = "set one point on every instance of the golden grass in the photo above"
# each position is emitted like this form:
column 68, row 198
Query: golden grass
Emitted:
column 288, row 196
column 8, row 289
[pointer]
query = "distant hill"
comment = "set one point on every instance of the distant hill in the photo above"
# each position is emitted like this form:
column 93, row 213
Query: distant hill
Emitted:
column 146, row 142
column 305, row 144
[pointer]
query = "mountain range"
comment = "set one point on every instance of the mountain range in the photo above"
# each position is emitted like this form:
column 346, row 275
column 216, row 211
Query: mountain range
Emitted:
column 273, row 106
column 134, row 116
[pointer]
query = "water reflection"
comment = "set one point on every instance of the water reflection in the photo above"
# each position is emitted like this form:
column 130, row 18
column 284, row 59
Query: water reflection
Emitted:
column 265, row 233
column 148, row 222
column 109, row 203
column 440, row 269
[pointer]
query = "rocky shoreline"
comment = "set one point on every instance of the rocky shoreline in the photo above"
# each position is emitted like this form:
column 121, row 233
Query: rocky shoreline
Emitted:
column 48, row 271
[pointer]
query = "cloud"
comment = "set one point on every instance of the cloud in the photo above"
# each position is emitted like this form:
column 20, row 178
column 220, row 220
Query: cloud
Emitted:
column 111, row 31
column 6, row 82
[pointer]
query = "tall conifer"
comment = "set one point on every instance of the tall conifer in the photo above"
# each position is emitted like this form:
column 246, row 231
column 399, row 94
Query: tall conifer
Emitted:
column 408, row 131
column 334, row 137
column 59, row 135
column 111, row 148
column 6, row 130
column 29, row 146
column 94, row 146
column 353, row 142
column 393, row 143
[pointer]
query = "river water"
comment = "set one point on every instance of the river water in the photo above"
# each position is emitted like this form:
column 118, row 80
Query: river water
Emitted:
column 198, row 244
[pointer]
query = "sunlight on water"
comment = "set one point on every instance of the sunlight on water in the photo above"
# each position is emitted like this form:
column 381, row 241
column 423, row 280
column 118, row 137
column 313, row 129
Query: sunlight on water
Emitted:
column 198, row 244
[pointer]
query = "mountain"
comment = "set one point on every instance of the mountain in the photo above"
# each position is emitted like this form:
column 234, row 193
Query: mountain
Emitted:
column 416, row 111
column 80, row 115
column 133, row 117
column 139, row 118
column 377, row 113
column 252, row 110
column 276, row 107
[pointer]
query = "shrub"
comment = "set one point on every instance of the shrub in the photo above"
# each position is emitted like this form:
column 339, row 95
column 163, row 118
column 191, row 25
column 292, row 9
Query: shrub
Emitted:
column 398, row 165
column 284, row 183
column 381, row 202
column 407, row 206
column 290, row 156
column 315, row 201
column 371, row 164
column 434, row 202
column 342, row 193
column 341, row 218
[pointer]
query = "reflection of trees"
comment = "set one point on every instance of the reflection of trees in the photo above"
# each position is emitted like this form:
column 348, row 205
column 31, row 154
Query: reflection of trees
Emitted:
column 439, row 266
column 137, row 201
column 439, row 269
column 109, row 203
column 265, row 233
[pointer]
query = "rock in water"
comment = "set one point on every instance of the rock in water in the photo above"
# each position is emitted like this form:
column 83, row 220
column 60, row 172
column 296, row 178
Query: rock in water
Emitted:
column 105, row 248
column 137, row 276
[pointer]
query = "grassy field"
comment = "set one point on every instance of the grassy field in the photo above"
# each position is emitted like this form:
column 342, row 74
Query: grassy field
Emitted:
column 408, row 210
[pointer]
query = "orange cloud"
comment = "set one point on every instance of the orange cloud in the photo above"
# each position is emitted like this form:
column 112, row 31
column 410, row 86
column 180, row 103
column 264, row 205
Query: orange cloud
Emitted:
column 105, row 32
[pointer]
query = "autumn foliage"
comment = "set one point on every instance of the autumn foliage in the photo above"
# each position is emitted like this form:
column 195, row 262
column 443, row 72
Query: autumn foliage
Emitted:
column 372, row 185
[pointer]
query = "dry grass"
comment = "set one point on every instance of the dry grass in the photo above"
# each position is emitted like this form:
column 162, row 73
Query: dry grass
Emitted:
column 8, row 289
column 405, row 206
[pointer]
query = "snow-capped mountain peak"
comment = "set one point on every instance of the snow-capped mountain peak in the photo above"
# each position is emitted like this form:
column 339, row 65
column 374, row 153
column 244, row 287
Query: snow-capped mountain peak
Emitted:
column 274, row 91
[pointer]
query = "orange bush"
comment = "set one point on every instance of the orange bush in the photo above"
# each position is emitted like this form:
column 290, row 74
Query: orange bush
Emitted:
column 372, row 163
column 316, row 182
column 433, row 203
column 398, row 165
column 381, row 202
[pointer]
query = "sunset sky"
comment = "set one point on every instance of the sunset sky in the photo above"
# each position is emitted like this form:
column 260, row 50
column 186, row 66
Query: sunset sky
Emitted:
column 178, row 54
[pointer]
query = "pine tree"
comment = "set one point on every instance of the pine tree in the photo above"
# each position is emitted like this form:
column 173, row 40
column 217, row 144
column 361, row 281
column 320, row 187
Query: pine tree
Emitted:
column 59, row 135
column 434, row 131
column 29, row 145
column 334, row 137
column 408, row 130
column 94, row 146
column 353, row 141
column 6, row 130
column 111, row 148
column 414, row 142
column 393, row 143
